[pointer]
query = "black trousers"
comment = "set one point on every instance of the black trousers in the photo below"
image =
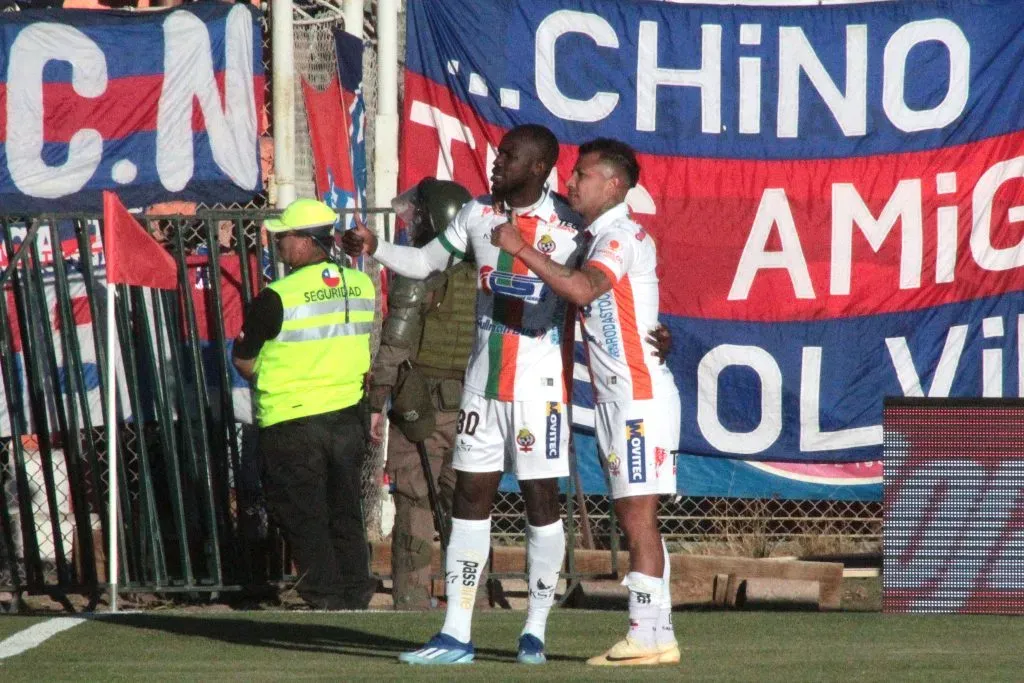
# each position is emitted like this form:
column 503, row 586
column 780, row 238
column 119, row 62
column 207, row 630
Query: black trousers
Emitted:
column 312, row 471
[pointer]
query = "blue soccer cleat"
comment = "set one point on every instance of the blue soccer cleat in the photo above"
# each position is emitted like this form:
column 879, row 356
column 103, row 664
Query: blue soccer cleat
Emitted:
column 531, row 650
column 441, row 649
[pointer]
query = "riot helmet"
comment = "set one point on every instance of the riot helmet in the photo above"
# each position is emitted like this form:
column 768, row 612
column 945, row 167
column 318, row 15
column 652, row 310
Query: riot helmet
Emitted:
column 428, row 207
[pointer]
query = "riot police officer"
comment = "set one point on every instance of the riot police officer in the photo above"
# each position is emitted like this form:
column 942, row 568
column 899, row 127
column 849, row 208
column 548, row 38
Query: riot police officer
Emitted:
column 425, row 345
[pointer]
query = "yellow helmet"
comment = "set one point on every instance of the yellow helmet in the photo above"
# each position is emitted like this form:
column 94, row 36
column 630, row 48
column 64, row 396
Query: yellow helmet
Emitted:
column 303, row 214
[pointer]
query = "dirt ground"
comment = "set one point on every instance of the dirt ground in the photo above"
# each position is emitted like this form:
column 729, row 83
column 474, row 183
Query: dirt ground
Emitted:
column 858, row 595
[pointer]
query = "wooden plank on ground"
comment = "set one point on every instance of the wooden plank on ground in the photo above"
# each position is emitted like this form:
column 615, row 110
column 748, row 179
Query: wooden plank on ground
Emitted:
column 692, row 575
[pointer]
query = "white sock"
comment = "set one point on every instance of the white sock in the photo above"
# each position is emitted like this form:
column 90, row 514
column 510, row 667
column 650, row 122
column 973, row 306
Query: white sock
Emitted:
column 468, row 547
column 546, row 551
column 644, row 605
column 665, row 634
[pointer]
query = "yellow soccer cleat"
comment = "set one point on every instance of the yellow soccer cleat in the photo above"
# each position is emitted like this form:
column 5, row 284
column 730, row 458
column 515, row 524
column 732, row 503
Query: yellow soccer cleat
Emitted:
column 628, row 652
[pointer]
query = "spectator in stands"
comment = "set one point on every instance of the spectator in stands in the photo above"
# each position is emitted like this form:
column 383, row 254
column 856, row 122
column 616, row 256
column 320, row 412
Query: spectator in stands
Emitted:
column 267, row 168
column 161, row 217
column 637, row 414
column 305, row 345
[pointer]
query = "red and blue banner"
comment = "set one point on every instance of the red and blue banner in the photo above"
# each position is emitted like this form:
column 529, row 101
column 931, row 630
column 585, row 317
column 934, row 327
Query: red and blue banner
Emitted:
column 154, row 106
column 337, row 119
column 349, row 51
column 836, row 194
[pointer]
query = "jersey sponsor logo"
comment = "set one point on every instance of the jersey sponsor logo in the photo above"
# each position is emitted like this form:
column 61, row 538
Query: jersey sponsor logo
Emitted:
column 611, row 254
column 498, row 282
column 609, row 326
column 525, row 439
column 636, row 444
column 490, row 325
column 614, row 464
column 328, row 294
column 546, row 245
column 330, row 278
column 553, row 431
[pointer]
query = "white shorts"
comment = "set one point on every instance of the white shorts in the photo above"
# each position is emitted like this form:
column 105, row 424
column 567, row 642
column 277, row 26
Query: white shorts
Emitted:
column 529, row 438
column 636, row 440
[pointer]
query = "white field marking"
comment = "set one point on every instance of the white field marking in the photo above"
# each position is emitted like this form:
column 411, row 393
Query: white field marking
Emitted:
column 35, row 635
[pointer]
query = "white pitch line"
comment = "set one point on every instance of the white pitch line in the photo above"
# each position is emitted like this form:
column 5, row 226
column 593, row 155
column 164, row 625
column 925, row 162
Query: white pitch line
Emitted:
column 35, row 635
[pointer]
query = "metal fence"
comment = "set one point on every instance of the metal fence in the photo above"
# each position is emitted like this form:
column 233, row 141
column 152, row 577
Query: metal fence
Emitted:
column 190, row 502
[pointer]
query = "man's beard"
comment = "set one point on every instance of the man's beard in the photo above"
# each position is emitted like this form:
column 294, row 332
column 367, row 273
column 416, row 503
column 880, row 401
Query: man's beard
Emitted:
column 502, row 195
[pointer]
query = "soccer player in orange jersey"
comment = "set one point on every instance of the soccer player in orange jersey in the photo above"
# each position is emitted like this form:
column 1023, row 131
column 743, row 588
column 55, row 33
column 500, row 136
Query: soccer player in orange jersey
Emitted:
column 637, row 404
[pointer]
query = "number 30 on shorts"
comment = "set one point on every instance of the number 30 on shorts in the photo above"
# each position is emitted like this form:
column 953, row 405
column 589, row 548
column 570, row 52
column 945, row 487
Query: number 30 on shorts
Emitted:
column 467, row 423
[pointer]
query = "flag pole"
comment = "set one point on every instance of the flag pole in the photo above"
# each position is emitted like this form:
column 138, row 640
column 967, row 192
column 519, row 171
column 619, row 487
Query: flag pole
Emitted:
column 144, row 263
column 112, row 497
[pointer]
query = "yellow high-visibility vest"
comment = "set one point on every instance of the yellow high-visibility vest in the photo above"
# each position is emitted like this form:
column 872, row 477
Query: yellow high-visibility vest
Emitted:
column 317, row 362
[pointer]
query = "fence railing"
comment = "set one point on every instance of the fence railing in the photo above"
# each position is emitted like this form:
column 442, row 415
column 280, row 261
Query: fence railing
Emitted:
column 189, row 495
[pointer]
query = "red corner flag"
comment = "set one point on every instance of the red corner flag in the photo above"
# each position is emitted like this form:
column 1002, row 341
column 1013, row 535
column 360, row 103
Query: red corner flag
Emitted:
column 133, row 256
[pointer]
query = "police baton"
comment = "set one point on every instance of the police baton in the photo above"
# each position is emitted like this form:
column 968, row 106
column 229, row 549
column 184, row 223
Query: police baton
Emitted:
column 435, row 500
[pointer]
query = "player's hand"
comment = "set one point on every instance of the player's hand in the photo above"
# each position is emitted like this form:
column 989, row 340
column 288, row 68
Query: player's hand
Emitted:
column 359, row 240
column 376, row 428
column 507, row 238
column 661, row 339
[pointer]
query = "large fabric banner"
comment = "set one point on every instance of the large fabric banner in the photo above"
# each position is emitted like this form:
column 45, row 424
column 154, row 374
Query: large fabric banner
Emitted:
column 337, row 119
column 155, row 105
column 835, row 191
column 349, row 51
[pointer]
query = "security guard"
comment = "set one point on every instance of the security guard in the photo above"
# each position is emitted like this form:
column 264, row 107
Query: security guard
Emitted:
column 305, row 346
column 432, row 324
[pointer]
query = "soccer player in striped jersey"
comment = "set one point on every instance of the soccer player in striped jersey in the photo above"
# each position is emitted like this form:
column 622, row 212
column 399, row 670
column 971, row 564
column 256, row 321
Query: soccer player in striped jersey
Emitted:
column 513, row 412
column 637, row 404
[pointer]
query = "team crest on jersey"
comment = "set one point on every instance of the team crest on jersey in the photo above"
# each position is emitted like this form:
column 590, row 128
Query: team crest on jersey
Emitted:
column 636, row 444
column 614, row 464
column 546, row 245
column 525, row 439
column 524, row 287
column 330, row 278
column 553, row 430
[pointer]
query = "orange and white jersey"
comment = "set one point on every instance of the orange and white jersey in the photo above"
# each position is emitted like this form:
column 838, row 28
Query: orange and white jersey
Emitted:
column 521, row 323
column 616, row 324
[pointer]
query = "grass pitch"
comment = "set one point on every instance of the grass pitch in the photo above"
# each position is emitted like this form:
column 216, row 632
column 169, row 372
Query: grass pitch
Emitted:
column 716, row 646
